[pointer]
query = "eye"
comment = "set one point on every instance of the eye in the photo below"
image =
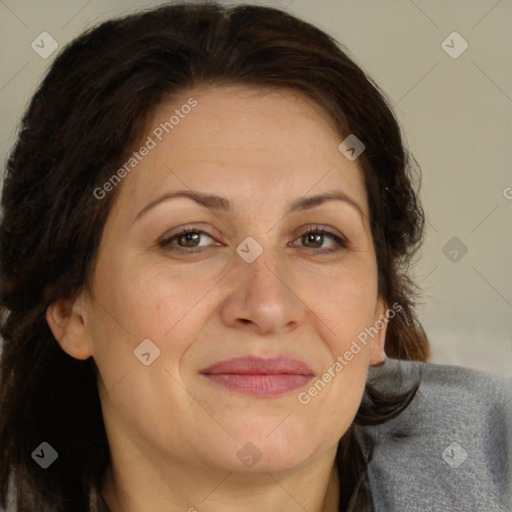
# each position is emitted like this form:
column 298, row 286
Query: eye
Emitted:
column 185, row 241
column 188, row 241
column 314, row 238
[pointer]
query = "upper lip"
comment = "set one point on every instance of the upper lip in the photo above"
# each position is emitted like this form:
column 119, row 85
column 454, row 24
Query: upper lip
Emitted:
column 251, row 365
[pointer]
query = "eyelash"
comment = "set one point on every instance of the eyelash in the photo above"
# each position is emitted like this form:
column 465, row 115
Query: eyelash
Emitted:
column 166, row 242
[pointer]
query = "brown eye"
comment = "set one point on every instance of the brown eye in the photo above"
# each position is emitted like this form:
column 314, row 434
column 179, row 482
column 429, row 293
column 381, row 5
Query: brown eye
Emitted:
column 314, row 238
column 186, row 239
column 189, row 239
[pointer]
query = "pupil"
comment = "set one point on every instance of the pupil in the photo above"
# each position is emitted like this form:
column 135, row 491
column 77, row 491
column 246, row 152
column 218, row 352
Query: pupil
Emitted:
column 315, row 239
column 190, row 237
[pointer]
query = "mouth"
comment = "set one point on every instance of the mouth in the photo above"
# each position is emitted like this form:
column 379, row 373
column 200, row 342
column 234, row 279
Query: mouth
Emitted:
column 258, row 376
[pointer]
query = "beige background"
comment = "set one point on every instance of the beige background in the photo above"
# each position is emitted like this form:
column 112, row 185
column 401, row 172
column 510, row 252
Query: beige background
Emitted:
column 456, row 115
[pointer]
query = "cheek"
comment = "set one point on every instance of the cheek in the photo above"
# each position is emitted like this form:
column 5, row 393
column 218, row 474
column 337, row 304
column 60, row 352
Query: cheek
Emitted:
column 134, row 302
column 152, row 305
column 147, row 301
column 344, row 308
column 344, row 304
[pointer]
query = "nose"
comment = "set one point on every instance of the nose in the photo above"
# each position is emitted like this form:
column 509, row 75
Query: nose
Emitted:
column 263, row 297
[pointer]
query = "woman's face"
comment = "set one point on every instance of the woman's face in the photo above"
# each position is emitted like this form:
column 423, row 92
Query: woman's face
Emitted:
column 246, row 282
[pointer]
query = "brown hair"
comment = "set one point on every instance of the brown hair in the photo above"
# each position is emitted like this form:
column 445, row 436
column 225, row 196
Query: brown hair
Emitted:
column 89, row 113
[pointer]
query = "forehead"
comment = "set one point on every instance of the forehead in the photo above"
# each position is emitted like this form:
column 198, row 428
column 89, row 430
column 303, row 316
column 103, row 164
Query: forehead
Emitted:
column 244, row 140
column 245, row 120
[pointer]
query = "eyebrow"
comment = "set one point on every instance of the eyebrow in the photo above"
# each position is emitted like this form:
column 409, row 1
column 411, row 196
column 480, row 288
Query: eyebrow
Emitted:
column 214, row 202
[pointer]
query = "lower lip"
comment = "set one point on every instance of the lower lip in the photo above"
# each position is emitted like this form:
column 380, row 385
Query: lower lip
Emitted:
column 260, row 385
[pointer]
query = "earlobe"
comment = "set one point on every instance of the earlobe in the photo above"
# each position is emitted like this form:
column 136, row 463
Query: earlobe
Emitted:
column 377, row 346
column 66, row 321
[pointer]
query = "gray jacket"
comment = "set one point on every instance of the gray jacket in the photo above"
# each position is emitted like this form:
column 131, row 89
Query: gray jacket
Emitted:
column 451, row 449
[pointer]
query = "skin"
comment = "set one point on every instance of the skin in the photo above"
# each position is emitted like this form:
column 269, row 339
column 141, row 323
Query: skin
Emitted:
column 174, row 435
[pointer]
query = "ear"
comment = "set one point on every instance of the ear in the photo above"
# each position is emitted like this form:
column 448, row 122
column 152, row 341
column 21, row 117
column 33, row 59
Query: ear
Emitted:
column 377, row 345
column 66, row 319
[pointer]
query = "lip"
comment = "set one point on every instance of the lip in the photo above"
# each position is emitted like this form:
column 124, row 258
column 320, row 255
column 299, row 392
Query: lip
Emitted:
column 259, row 376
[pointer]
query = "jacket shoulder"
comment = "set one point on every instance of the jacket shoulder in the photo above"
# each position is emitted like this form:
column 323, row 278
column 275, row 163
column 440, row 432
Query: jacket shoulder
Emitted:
column 451, row 449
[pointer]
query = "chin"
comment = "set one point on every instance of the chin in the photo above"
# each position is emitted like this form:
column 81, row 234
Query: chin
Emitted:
column 263, row 453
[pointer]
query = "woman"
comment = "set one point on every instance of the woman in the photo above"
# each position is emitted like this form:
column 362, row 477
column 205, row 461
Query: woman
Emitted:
column 207, row 219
